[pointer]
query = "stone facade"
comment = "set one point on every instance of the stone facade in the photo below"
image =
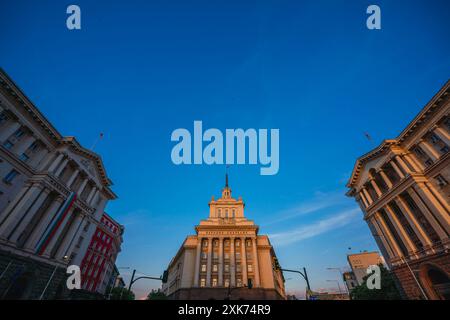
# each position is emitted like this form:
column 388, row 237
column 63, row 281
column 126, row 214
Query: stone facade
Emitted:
column 53, row 193
column 226, row 259
column 402, row 186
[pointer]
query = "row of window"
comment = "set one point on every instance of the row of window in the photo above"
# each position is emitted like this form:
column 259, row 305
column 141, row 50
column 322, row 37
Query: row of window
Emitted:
column 226, row 255
column 226, row 282
column 215, row 268
column 225, row 213
column 226, row 243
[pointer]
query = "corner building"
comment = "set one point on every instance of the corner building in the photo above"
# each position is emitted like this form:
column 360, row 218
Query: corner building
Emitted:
column 226, row 259
column 403, row 189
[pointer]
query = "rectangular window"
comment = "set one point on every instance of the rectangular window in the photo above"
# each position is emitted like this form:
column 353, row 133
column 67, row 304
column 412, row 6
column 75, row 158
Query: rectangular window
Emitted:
column 227, row 255
column 8, row 144
column 3, row 117
column 203, row 267
column 249, row 243
column 227, row 268
column 202, row 282
column 19, row 133
column 227, row 283
column 10, row 176
column 239, row 282
column 34, row 146
column 215, row 267
column 214, row 282
column 24, row 157
column 441, row 181
column 250, row 268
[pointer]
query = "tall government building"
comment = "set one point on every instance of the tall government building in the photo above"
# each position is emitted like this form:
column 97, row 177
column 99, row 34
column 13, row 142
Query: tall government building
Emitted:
column 53, row 192
column 226, row 258
column 403, row 189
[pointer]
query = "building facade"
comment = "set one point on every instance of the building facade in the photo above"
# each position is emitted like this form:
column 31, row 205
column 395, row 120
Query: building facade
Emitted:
column 226, row 259
column 98, row 266
column 359, row 262
column 53, row 193
column 402, row 186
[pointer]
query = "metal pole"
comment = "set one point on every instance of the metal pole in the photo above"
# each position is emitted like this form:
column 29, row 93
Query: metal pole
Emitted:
column 131, row 281
column 6, row 269
column 306, row 279
column 48, row 283
column 414, row 276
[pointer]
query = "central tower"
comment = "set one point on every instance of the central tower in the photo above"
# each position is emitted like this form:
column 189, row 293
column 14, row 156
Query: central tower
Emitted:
column 226, row 257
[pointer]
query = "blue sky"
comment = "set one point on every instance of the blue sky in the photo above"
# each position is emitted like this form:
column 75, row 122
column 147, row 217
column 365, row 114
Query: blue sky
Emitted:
column 137, row 70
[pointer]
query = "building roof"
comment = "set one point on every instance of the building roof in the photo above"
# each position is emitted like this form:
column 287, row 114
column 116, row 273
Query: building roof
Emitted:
column 430, row 108
column 22, row 100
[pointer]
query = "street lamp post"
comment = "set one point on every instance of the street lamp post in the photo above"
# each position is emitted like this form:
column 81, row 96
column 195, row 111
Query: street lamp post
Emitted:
column 339, row 286
column 342, row 277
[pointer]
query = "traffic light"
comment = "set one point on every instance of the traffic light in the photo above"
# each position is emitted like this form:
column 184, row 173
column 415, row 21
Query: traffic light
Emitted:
column 165, row 276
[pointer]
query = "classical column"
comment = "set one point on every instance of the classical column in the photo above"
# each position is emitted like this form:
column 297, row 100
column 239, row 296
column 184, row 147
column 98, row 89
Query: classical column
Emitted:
column 411, row 159
column 72, row 178
column 208, row 264
column 375, row 187
column 443, row 135
column 220, row 262
column 61, row 167
column 410, row 246
column 397, row 169
column 43, row 223
column 385, row 232
column 412, row 220
column 386, row 179
column 367, row 195
column 197, row 262
column 70, row 238
column 402, row 163
column 13, row 214
column 47, row 160
column 5, row 213
column 255, row 262
column 9, row 128
column 379, row 234
column 91, row 195
column 243, row 262
column 432, row 210
column 363, row 199
column 82, row 186
column 27, row 216
column 232, row 264
column 55, row 163
column 429, row 150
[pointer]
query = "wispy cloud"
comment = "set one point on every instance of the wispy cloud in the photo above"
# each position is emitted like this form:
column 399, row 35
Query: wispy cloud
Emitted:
column 316, row 228
column 320, row 201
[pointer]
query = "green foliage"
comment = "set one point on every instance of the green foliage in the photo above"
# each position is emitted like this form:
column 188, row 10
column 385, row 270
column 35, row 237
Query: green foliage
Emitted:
column 388, row 290
column 156, row 295
column 120, row 294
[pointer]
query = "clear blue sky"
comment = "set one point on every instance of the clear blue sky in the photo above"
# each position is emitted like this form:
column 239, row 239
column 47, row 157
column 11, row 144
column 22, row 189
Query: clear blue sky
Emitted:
column 140, row 69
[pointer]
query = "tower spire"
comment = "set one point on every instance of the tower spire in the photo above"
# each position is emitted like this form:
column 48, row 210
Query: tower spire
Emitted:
column 226, row 180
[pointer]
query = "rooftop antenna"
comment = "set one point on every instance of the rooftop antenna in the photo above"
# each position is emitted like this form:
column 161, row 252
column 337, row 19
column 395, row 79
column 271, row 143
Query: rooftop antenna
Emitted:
column 226, row 175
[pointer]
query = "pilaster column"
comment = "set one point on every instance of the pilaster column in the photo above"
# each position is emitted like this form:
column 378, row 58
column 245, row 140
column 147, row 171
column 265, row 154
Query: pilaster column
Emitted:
column 243, row 262
column 72, row 178
column 367, row 195
column 255, row 262
column 442, row 134
column 220, row 262
column 38, row 232
column 197, row 262
column 208, row 264
column 385, row 232
column 410, row 246
column 55, row 163
column 232, row 264
column 429, row 150
column 397, row 169
column 375, row 187
column 94, row 198
column 412, row 220
column 386, row 179
column 44, row 163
